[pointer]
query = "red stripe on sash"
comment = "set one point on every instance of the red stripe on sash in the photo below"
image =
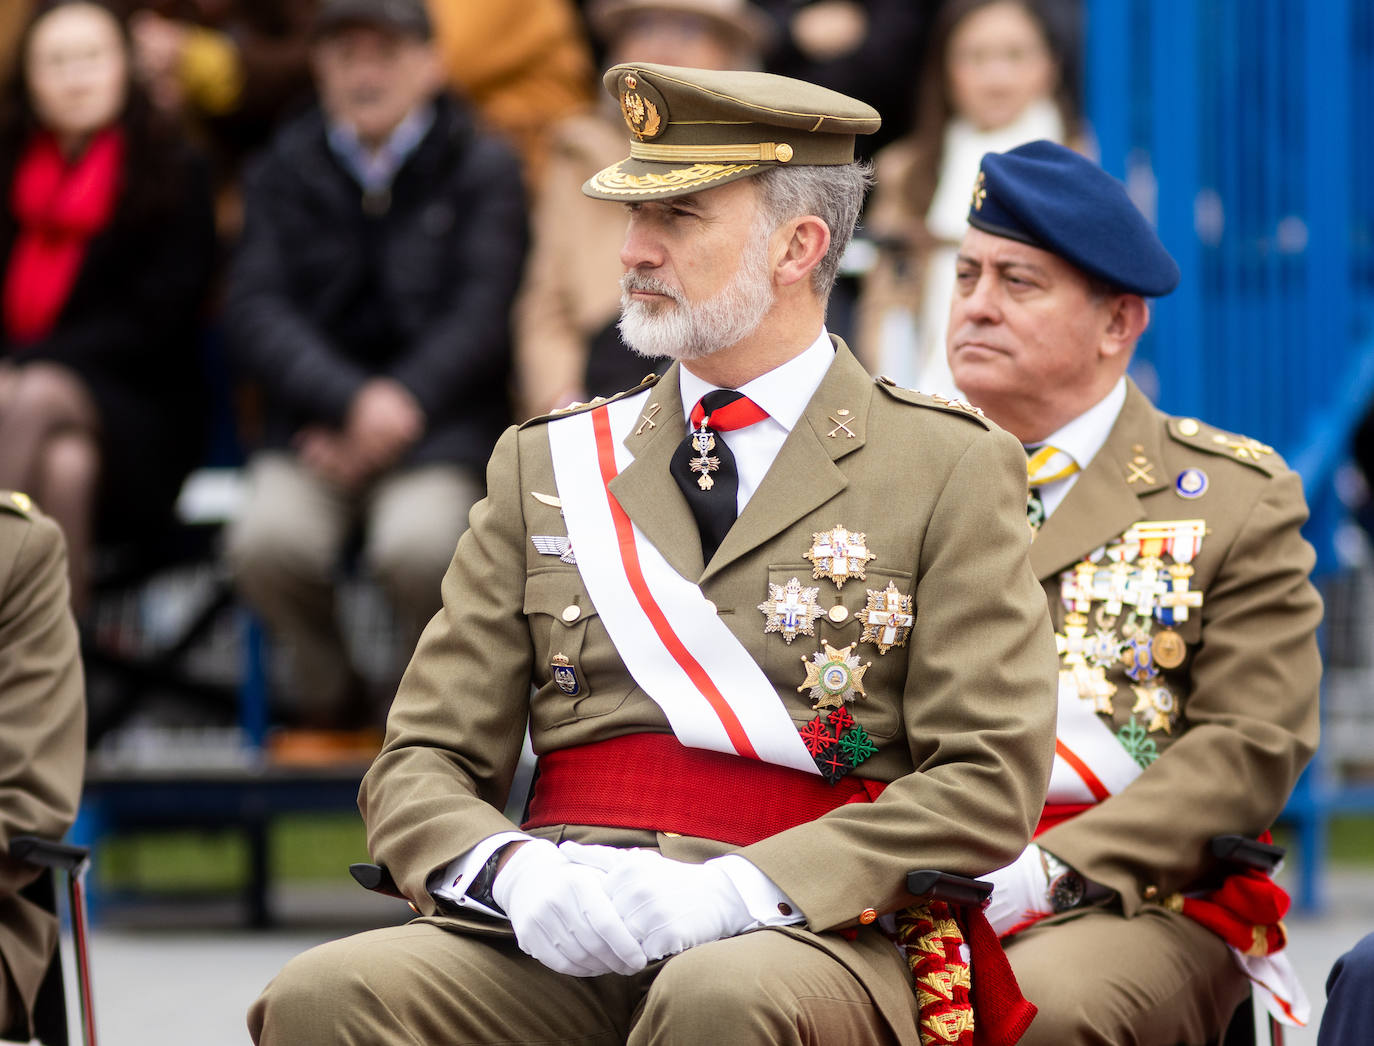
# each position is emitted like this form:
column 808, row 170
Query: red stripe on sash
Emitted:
column 605, row 454
column 1098, row 789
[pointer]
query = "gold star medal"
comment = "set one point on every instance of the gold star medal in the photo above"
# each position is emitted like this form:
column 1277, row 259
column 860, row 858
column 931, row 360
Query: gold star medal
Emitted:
column 887, row 619
column 1157, row 701
column 834, row 676
column 791, row 609
column 839, row 554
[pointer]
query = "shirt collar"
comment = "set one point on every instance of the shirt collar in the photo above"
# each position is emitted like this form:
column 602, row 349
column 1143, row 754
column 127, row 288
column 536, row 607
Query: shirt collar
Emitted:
column 783, row 392
column 1083, row 437
column 376, row 169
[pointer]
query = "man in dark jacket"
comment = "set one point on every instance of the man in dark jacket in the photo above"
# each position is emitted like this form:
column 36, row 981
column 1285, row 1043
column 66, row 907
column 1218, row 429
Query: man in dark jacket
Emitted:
column 384, row 238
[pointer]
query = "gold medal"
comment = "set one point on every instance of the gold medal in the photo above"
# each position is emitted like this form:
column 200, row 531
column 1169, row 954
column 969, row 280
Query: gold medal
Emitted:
column 834, row 676
column 839, row 554
column 1169, row 648
column 791, row 609
column 887, row 619
column 1157, row 701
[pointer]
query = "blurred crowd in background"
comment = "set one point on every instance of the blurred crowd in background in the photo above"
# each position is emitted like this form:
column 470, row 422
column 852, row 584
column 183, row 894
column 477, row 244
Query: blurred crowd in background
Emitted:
column 355, row 229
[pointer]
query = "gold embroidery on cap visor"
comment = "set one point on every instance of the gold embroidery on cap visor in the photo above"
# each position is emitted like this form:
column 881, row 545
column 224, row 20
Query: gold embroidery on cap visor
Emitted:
column 670, row 181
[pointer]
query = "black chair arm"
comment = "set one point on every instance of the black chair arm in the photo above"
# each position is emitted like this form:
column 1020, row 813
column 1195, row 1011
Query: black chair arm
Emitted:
column 45, row 853
column 934, row 885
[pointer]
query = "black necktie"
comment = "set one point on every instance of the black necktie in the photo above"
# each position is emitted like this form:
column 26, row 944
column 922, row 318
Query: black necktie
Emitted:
column 705, row 469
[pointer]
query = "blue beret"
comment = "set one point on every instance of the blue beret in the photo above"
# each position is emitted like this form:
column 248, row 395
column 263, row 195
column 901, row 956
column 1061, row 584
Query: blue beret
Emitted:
column 1053, row 198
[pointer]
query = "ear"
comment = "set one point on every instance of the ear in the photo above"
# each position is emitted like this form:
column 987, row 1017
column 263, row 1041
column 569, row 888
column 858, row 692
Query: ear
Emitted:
column 1127, row 318
column 805, row 241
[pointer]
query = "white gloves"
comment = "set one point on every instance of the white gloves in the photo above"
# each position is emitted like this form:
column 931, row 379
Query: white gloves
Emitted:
column 669, row 906
column 562, row 914
column 1020, row 892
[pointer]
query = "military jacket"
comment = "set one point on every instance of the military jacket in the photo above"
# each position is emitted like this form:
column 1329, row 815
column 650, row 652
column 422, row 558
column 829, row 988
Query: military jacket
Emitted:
column 1208, row 670
column 42, row 724
column 960, row 712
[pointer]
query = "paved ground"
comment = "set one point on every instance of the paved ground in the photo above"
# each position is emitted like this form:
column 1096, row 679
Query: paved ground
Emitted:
column 160, row 980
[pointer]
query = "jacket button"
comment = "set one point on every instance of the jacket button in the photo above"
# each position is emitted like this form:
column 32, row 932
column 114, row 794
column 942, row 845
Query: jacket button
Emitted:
column 1151, row 892
column 867, row 916
column 784, row 908
column 838, row 614
column 571, row 613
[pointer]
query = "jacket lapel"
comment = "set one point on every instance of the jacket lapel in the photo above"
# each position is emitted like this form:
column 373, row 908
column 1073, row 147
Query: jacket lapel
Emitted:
column 646, row 489
column 804, row 475
column 1106, row 499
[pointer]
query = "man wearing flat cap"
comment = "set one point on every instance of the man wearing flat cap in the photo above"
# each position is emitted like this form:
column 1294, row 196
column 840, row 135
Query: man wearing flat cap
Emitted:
column 1177, row 578
column 749, row 729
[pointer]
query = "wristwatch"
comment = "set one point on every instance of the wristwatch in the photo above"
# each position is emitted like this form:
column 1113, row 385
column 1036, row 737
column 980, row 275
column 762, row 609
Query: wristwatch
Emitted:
column 480, row 887
column 1065, row 888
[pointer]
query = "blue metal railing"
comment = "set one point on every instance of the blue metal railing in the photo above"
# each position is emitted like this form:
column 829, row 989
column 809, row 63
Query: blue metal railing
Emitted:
column 1245, row 129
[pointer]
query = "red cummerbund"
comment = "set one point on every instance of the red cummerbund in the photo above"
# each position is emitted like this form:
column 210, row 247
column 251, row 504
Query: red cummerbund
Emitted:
column 654, row 782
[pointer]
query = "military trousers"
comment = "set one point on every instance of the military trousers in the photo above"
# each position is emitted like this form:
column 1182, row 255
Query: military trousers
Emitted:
column 285, row 547
column 423, row 983
column 1100, row 979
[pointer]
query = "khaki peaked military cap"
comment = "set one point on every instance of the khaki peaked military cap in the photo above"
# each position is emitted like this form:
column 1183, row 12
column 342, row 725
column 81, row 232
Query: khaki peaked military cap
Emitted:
column 695, row 129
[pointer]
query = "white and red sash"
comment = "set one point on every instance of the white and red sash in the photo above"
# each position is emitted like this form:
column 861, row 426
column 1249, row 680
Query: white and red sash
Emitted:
column 1090, row 765
column 667, row 633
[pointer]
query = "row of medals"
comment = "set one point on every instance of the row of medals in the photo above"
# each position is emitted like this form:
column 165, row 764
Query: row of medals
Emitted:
column 834, row 676
column 1114, row 600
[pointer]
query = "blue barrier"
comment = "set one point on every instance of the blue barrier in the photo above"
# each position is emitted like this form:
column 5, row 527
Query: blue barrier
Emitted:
column 1243, row 128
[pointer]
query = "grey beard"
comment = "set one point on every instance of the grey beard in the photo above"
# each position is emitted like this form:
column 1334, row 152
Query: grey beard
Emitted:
column 684, row 331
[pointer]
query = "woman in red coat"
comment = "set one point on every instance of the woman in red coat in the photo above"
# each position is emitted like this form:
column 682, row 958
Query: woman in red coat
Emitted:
column 106, row 247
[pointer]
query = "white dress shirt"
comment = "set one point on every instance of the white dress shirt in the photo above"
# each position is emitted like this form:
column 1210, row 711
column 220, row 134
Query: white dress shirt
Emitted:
column 1081, row 439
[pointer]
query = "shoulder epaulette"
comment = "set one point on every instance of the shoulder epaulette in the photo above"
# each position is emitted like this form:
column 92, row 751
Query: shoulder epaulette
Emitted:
column 1198, row 435
column 932, row 400
column 650, row 380
column 18, row 504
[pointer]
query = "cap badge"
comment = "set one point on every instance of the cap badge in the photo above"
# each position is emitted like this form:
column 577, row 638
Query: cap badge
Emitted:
column 833, row 676
column 980, row 192
column 643, row 114
column 791, row 609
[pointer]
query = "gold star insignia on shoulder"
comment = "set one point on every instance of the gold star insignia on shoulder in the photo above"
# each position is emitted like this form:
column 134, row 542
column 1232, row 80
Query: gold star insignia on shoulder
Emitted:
column 967, row 408
column 22, row 501
column 791, row 609
column 1244, row 448
column 834, row 676
column 839, row 554
column 887, row 619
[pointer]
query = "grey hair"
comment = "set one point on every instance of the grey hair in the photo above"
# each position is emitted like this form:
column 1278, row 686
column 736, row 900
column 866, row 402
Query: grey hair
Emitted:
column 834, row 194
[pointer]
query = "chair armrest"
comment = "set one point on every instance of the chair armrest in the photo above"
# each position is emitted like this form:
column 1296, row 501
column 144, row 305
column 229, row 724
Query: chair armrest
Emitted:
column 376, row 878
column 944, row 886
column 1245, row 852
column 46, row 853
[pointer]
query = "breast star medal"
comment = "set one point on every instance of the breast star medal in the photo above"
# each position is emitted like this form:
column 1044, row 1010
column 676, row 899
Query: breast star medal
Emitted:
column 839, row 554
column 1157, row 701
column 791, row 609
column 887, row 619
column 704, row 441
column 834, row 676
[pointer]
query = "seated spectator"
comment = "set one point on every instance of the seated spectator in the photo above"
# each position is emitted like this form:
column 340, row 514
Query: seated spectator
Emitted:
column 231, row 70
column 993, row 79
column 106, row 246
column 369, row 299
column 1349, row 1013
column 568, row 345
column 43, row 727
column 523, row 66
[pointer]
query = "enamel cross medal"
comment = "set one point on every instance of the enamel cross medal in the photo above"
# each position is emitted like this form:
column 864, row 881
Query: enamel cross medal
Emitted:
column 703, row 442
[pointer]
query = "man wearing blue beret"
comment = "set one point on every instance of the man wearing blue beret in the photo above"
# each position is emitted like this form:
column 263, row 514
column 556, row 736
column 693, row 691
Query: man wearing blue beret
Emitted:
column 1178, row 583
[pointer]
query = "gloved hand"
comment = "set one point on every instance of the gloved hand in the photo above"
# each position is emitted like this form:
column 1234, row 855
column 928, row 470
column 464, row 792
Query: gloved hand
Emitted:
column 562, row 915
column 1020, row 892
column 668, row 905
